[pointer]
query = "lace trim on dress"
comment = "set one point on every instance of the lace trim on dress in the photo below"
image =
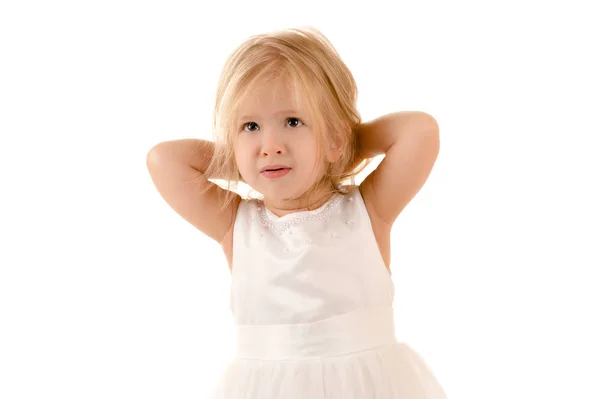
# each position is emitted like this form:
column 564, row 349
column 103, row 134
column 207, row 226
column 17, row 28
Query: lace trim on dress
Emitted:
column 280, row 226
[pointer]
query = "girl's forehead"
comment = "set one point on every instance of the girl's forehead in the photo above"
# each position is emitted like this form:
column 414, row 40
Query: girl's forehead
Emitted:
column 272, row 99
column 280, row 89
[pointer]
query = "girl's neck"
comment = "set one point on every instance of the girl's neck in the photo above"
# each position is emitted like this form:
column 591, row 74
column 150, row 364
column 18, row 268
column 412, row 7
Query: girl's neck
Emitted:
column 284, row 207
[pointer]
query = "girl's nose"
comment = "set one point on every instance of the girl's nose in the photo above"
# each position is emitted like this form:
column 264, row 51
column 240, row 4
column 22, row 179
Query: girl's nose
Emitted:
column 271, row 144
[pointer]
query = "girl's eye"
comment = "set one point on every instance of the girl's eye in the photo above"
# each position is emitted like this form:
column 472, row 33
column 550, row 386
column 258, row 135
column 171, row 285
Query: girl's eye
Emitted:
column 250, row 124
column 296, row 120
column 253, row 126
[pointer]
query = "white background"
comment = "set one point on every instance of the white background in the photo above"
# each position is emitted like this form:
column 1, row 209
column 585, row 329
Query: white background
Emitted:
column 106, row 293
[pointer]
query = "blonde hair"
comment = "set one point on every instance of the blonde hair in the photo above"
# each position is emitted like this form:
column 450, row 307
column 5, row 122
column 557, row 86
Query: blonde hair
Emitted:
column 305, row 59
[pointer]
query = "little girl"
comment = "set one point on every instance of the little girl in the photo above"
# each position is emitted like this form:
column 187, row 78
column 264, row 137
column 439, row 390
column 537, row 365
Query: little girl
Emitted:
column 311, row 291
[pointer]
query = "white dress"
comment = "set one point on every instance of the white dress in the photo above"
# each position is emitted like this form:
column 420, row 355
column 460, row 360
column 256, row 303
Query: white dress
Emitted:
column 312, row 301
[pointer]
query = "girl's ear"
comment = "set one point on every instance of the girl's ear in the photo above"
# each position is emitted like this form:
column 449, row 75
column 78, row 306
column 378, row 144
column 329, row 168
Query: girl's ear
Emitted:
column 333, row 154
column 334, row 150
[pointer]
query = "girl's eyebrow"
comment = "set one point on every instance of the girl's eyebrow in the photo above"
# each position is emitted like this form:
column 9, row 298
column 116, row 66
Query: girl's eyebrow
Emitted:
column 287, row 111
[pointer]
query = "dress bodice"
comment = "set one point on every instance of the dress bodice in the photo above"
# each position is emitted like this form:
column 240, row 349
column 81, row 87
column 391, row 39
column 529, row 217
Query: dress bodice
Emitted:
column 306, row 266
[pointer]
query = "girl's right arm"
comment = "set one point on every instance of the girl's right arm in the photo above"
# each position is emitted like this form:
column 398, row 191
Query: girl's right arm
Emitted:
column 177, row 169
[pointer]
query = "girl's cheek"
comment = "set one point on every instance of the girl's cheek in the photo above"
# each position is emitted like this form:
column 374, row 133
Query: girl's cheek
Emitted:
column 245, row 139
column 240, row 142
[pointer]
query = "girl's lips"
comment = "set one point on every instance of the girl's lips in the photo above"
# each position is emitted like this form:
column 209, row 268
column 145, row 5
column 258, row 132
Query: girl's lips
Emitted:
column 274, row 166
column 275, row 173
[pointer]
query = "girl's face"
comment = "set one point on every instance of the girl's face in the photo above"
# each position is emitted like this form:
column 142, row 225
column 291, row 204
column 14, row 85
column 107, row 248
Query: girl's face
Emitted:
column 275, row 146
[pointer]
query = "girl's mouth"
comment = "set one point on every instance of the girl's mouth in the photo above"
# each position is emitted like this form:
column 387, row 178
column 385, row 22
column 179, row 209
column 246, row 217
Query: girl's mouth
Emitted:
column 275, row 173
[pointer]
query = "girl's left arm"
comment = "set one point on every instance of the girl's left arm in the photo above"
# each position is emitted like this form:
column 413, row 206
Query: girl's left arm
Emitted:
column 410, row 141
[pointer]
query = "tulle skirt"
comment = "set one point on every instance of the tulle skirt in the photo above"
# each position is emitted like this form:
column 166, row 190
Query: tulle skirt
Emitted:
column 355, row 355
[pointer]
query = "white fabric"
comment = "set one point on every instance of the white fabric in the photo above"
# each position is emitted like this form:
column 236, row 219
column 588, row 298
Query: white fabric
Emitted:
column 312, row 300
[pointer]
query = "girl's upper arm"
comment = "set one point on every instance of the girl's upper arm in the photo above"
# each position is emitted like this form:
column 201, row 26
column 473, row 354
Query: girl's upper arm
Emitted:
column 403, row 172
column 192, row 196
